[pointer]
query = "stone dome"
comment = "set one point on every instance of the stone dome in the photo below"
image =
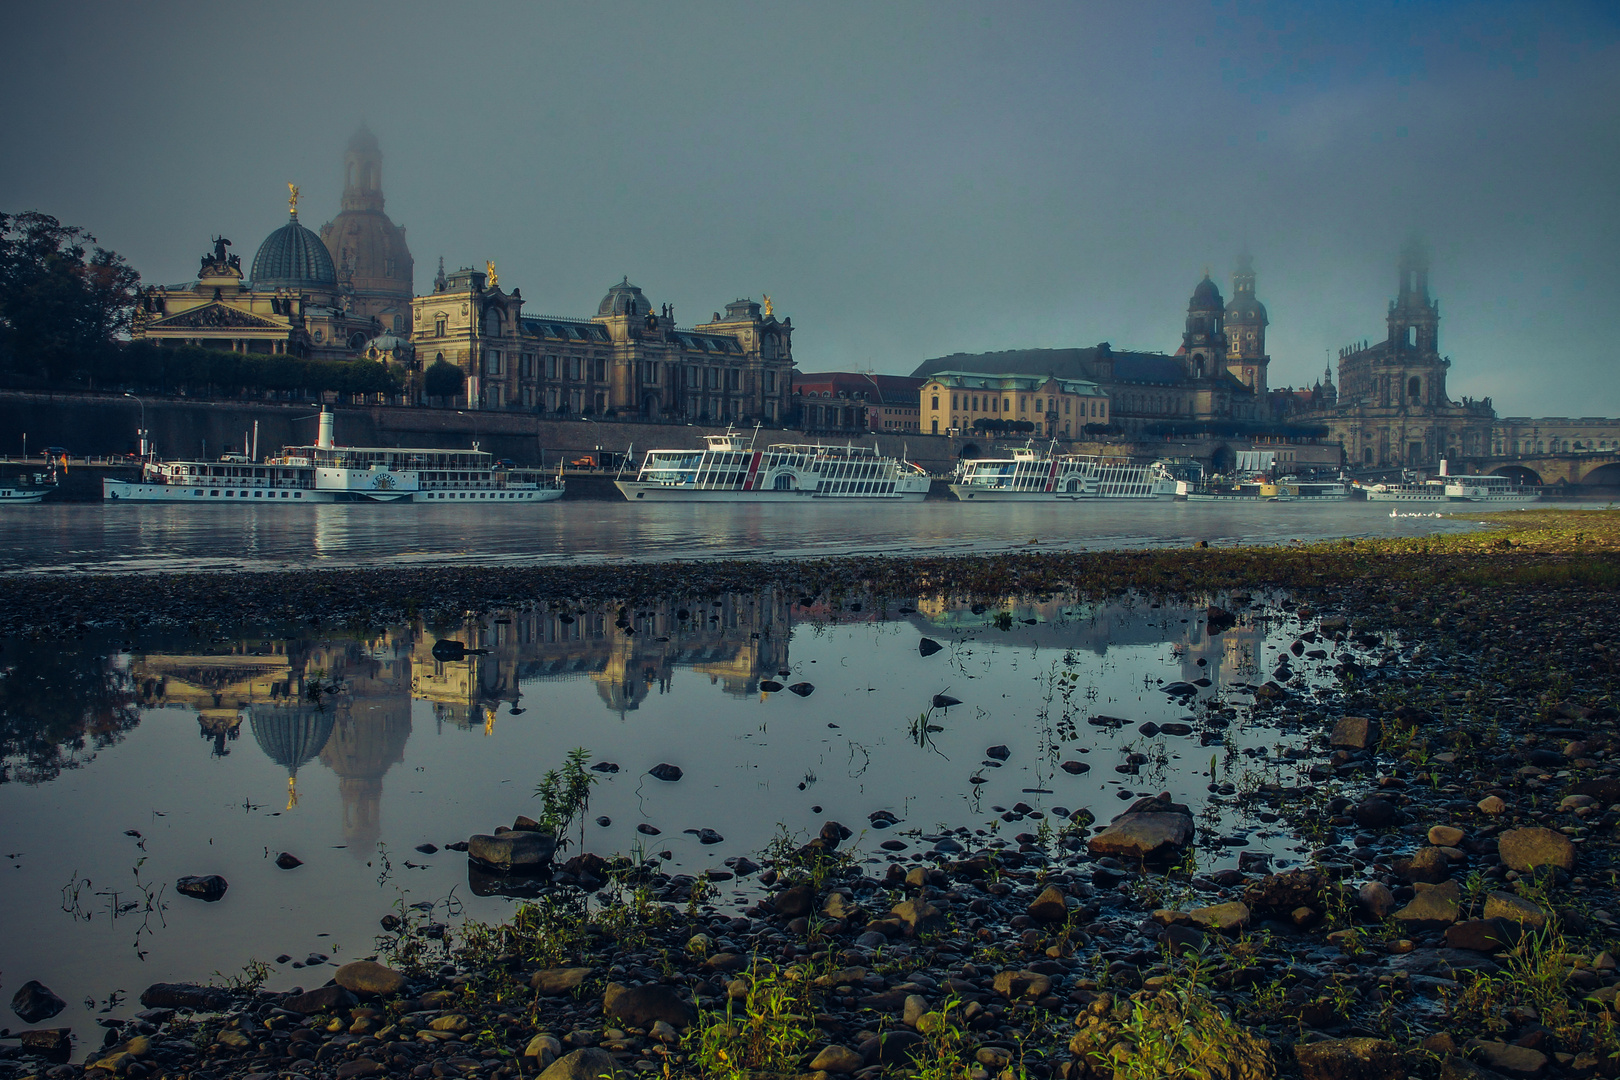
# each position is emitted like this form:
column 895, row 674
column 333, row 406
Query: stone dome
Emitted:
column 624, row 299
column 1207, row 295
column 292, row 257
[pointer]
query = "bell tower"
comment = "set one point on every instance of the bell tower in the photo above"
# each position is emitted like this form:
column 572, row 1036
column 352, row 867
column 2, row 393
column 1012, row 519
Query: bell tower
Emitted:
column 1203, row 344
column 1246, row 323
column 362, row 172
column 1414, row 319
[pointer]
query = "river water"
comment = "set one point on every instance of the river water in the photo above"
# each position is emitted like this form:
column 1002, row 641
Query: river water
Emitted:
column 127, row 764
column 126, row 537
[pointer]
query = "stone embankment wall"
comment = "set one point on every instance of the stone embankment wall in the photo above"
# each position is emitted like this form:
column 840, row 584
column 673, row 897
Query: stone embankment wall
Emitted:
column 105, row 424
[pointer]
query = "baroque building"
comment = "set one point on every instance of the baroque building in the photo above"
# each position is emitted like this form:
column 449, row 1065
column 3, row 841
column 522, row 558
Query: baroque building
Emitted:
column 290, row 304
column 956, row 402
column 627, row 359
column 1212, row 379
column 1392, row 408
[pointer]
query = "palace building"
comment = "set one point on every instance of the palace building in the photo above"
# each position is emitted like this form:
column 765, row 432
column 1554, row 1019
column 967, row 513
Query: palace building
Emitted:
column 1218, row 375
column 955, row 402
column 626, row 359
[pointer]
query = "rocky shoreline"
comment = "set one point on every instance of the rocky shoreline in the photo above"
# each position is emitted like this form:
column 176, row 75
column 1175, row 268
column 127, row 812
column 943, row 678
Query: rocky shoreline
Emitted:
column 1458, row 915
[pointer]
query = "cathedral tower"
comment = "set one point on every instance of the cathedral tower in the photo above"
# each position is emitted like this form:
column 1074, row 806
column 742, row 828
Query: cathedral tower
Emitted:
column 374, row 266
column 1414, row 319
column 1203, row 345
column 1246, row 323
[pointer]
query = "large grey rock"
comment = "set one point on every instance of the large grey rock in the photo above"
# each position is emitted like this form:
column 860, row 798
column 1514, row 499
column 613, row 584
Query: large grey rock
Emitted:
column 916, row 916
column 1350, row 1059
column 34, row 1002
column 799, row 900
column 1049, row 906
column 370, row 977
column 1525, row 850
column 1506, row 905
column 555, row 981
column 1426, row 864
column 1377, row 812
column 1289, row 890
column 321, row 999
column 1150, row 828
column 209, row 887
column 1433, row 908
column 1354, row 733
column 1226, row 918
column 837, row 1059
column 515, row 850
column 1512, row 1060
column 589, row 1063
column 185, row 996
column 1482, row 935
column 1376, row 900
column 641, row 1006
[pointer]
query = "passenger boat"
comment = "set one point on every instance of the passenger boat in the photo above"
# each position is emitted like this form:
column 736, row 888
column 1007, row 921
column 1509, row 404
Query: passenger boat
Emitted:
column 327, row 473
column 1407, row 491
column 728, row 470
column 1293, row 489
column 1489, row 489
column 12, row 492
column 1032, row 476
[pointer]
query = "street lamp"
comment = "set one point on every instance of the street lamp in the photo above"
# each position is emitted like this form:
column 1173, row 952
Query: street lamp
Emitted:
column 142, row 432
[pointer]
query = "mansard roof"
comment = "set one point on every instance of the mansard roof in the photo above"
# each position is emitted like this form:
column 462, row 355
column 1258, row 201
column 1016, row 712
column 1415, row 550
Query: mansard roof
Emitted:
column 1129, row 367
column 1004, row 381
column 570, row 330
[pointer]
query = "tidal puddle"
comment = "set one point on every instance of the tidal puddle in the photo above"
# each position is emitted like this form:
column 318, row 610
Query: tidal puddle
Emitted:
column 129, row 764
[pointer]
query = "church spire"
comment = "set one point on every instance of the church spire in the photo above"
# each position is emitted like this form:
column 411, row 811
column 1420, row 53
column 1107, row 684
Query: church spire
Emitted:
column 362, row 172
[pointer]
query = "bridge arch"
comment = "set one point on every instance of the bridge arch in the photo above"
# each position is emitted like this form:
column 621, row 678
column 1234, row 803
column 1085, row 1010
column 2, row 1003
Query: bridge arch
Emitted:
column 1519, row 474
column 969, row 452
column 1605, row 475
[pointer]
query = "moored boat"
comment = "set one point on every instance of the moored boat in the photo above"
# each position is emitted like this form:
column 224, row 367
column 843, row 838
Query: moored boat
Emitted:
column 729, row 470
column 1489, row 489
column 328, row 473
column 1032, row 476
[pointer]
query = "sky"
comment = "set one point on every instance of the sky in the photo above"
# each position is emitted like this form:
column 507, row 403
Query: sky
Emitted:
column 905, row 180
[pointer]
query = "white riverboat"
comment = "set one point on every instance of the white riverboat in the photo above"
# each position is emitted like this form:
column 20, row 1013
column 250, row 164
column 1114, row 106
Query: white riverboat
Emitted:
column 12, row 493
column 1489, row 489
column 728, row 470
column 1294, row 489
column 327, row 473
column 1031, row 476
column 1407, row 491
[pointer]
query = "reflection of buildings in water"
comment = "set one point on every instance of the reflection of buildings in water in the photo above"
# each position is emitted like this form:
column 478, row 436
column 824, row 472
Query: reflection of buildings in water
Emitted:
column 218, row 687
column 270, row 684
column 291, row 734
column 1095, row 627
column 363, row 746
column 734, row 641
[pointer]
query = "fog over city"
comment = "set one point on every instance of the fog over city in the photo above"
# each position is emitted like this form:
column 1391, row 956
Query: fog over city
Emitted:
column 906, row 180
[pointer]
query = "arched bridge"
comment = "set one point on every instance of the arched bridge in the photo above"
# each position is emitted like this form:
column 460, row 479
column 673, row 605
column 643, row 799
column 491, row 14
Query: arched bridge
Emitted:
column 1599, row 468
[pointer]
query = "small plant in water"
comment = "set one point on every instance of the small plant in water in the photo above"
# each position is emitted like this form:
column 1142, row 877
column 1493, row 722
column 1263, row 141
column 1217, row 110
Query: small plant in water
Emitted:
column 565, row 795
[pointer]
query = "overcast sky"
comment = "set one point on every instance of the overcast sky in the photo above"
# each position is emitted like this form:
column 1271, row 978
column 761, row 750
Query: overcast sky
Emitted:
column 905, row 180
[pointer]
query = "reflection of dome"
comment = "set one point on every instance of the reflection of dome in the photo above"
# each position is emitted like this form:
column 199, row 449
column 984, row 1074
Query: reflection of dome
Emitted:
column 292, row 257
column 624, row 299
column 290, row 735
column 1206, row 295
column 360, row 752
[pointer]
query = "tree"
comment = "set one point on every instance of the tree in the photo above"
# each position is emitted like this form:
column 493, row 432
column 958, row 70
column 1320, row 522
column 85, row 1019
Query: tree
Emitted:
column 63, row 302
column 443, row 379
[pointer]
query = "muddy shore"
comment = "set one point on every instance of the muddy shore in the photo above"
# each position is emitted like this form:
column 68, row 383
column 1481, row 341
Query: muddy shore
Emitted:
column 1459, row 915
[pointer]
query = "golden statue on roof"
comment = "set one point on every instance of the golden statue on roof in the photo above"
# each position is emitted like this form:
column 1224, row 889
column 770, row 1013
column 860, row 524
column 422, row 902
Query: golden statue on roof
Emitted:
column 767, row 305
column 494, row 280
column 292, row 198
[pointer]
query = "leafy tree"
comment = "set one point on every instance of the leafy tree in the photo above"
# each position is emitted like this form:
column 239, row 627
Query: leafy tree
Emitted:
column 443, row 379
column 63, row 301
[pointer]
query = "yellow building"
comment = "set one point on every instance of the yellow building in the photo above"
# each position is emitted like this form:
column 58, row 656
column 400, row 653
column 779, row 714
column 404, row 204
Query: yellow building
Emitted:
column 960, row 402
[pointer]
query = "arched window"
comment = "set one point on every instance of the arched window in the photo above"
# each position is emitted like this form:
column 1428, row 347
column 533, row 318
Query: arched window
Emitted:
column 936, row 401
column 1414, row 387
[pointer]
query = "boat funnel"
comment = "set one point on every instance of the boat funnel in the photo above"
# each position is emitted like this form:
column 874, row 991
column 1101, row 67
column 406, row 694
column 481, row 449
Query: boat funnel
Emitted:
column 323, row 440
column 1445, row 467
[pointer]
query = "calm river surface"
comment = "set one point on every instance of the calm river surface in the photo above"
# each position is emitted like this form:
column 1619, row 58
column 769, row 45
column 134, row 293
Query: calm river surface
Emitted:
column 94, row 537
column 126, row 764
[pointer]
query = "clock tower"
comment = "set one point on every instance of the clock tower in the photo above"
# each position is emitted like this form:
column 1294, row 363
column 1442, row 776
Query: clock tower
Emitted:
column 1246, row 323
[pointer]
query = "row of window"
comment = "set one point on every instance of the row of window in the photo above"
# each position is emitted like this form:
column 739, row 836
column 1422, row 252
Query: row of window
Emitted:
column 996, row 403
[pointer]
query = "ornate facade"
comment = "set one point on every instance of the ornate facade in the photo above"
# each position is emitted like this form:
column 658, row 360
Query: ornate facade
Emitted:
column 1392, row 409
column 626, row 360
column 1213, row 378
column 954, row 401
column 293, row 305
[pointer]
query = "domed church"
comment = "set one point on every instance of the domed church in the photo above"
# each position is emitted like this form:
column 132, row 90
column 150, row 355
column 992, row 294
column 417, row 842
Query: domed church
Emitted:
column 367, row 249
column 321, row 297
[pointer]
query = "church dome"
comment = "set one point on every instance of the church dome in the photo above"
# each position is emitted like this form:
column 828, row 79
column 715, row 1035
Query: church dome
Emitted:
column 291, row 735
column 1207, row 295
column 624, row 299
column 292, row 257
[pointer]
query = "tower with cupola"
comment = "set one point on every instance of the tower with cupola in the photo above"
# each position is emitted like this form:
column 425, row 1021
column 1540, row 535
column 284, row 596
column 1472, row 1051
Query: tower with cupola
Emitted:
column 1246, row 323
